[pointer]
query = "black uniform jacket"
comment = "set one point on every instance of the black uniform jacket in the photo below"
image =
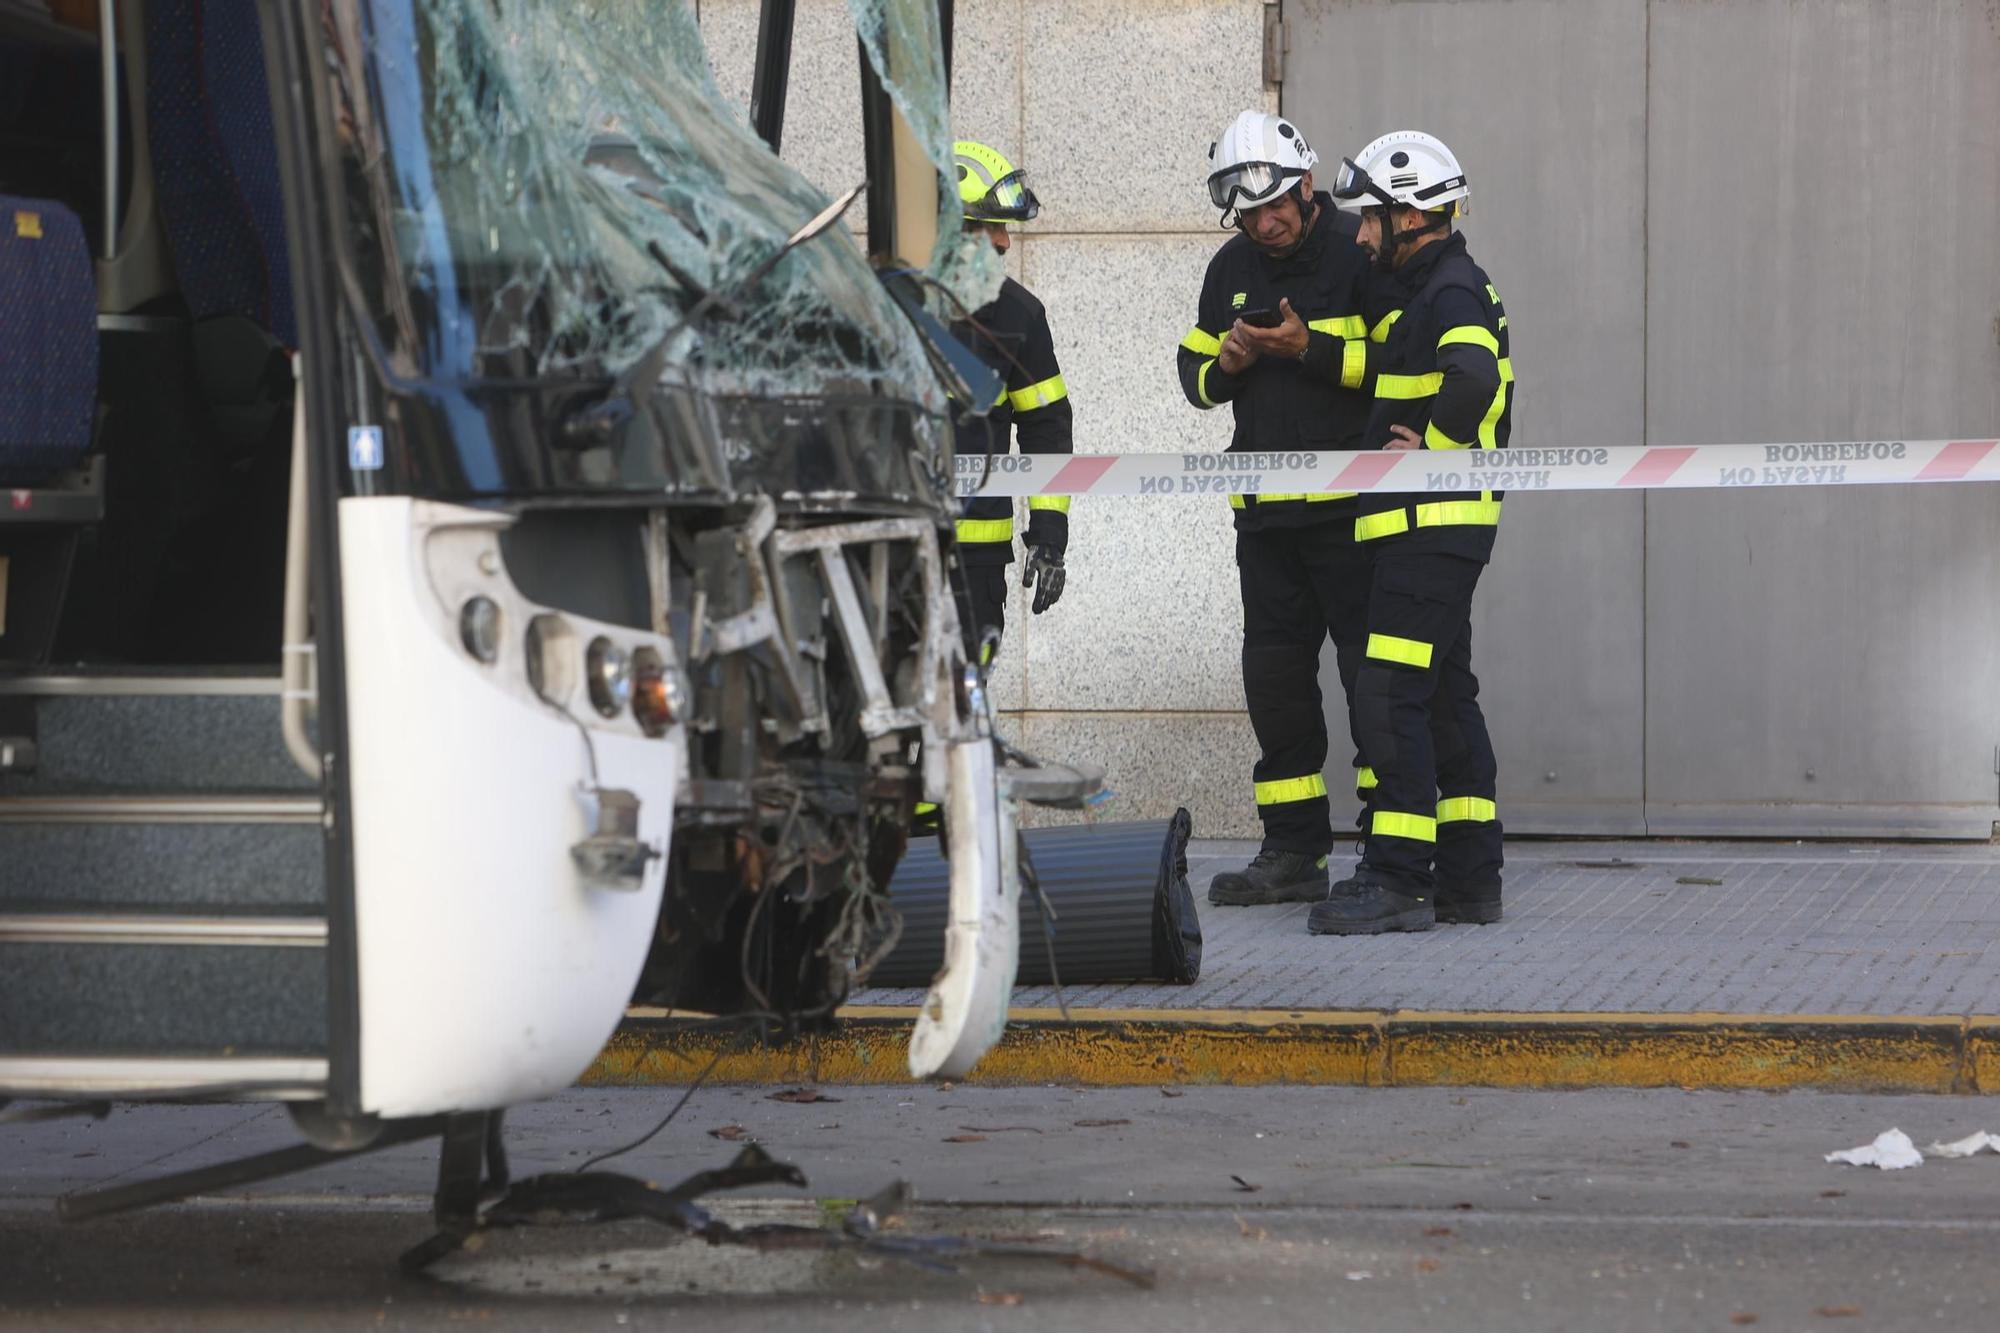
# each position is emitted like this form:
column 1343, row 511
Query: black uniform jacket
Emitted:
column 1011, row 334
column 1319, row 402
column 1444, row 372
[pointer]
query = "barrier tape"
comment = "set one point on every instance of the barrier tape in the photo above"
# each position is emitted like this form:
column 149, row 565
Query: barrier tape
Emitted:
column 1686, row 467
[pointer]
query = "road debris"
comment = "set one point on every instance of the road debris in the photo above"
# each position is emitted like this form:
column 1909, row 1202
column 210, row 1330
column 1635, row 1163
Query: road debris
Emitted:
column 1891, row 1151
column 998, row 1297
column 1743, row 1317
column 1245, row 1185
column 1969, row 1146
column 1104, row 1124
column 965, row 1138
column 1699, row 879
column 1000, row 1129
column 1838, row 1312
column 732, row 1134
column 800, row 1096
column 572, row 1198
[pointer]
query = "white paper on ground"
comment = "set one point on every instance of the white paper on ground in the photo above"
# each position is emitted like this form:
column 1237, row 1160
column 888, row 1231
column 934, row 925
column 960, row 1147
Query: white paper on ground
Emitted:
column 1891, row 1150
column 1968, row 1146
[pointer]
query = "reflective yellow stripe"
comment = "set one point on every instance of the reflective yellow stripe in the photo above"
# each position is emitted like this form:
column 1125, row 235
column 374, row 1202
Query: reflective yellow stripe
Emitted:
column 1050, row 390
column 1345, row 326
column 1310, row 497
column 926, row 807
column 1000, row 397
column 1389, row 648
column 1506, row 370
column 1056, row 503
column 1201, row 384
column 1470, row 335
column 1417, row 828
column 1287, row 790
column 1380, row 333
column 1364, row 779
column 1370, row 526
column 1353, row 364
column 1437, row 439
column 1236, row 502
column 1408, row 386
column 1489, row 437
column 986, row 529
column 1467, row 809
column 1453, row 513
column 1202, row 344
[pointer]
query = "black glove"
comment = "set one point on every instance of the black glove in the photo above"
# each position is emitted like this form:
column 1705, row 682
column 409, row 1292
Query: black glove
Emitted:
column 1044, row 573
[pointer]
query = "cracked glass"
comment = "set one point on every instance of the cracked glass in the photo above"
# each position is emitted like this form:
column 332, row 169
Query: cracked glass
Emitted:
column 551, row 192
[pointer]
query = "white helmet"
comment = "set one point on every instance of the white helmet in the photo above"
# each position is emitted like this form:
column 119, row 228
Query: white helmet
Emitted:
column 1257, row 159
column 1405, row 167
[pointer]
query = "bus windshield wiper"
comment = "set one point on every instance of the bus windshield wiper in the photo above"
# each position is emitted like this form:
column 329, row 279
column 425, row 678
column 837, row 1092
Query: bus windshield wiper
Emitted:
column 602, row 419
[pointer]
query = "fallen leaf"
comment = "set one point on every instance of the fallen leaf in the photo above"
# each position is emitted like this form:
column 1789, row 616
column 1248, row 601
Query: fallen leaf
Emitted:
column 1245, row 1185
column 1000, row 1129
column 966, row 1138
column 733, row 1133
column 1615, row 863
column 999, row 1298
column 1100, row 1124
column 1172, row 1092
column 1250, row 1232
column 1466, row 1207
column 1838, row 1311
column 1698, row 879
column 1833, row 1194
column 801, row 1096
column 1428, row 1265
column 1437, row 1231
column 1743, row 1317
column 1680, row 1143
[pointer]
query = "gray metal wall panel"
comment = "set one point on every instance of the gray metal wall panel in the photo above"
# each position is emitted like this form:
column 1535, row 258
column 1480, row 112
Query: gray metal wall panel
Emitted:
column 1545, row 103
column 1824, row 181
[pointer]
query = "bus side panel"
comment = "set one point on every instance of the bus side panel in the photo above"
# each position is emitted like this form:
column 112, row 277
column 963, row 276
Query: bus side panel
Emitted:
column 490, row 970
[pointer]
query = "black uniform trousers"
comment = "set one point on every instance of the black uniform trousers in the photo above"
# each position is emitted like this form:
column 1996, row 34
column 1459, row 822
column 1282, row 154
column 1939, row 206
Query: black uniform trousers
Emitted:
column 1433, row 825
column 1300, row 585
column 985, row 605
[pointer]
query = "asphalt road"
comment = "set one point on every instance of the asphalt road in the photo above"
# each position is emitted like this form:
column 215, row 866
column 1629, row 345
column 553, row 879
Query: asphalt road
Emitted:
column 1306, row 1208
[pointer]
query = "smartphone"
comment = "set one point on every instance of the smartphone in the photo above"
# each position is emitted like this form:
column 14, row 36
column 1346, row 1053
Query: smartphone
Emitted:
column 1261, row 318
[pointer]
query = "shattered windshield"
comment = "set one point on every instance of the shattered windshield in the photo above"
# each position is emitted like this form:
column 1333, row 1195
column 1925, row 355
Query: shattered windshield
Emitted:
column 557, row 190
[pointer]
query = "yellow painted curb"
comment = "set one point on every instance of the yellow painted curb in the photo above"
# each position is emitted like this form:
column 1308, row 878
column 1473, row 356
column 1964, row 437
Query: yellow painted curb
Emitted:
column 1397, row 1048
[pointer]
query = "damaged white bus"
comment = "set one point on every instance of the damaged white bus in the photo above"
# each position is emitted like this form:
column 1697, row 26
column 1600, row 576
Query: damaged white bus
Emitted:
column 477, row 550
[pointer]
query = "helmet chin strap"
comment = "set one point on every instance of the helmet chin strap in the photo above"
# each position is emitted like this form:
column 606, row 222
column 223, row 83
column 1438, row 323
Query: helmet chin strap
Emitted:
column 1392, row 239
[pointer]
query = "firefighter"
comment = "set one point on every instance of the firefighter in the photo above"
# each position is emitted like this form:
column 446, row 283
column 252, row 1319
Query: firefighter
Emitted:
column 1281, row 335
column 1011, row 334
column 1443, row 381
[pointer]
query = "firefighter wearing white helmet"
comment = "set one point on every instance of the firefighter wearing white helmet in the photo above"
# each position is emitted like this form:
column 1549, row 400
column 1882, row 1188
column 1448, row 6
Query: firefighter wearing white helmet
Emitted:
column 1011, row 334
column 1281, row 336
column 1444, row 380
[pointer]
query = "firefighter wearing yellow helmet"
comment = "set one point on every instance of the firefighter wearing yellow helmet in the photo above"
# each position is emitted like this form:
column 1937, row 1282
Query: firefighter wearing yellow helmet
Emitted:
column 1011, row 334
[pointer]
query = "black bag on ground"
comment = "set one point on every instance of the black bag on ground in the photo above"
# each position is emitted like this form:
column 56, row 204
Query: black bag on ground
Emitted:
column 1124, row 911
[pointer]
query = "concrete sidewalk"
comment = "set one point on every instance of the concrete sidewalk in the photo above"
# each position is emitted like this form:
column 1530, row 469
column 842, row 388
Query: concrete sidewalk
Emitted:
column 1626, row 927
column 1851, row 967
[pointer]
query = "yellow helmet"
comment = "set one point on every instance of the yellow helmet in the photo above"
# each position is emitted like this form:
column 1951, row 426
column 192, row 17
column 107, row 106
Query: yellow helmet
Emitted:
column 990, row 188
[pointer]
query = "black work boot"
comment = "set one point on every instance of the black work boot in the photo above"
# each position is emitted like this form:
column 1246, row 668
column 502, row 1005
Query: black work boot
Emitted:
column 1271, row 877
column 1468, row 904
column 1365, row 906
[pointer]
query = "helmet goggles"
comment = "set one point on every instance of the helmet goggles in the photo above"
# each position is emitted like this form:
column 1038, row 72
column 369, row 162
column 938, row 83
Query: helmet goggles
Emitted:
column 1010, row 200
column 1250, row 184
column 1352, row 183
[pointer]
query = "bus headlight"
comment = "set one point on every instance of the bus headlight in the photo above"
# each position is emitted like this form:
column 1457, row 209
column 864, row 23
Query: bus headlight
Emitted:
column 608, row 674
column 656, row 695
column 479, row 629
